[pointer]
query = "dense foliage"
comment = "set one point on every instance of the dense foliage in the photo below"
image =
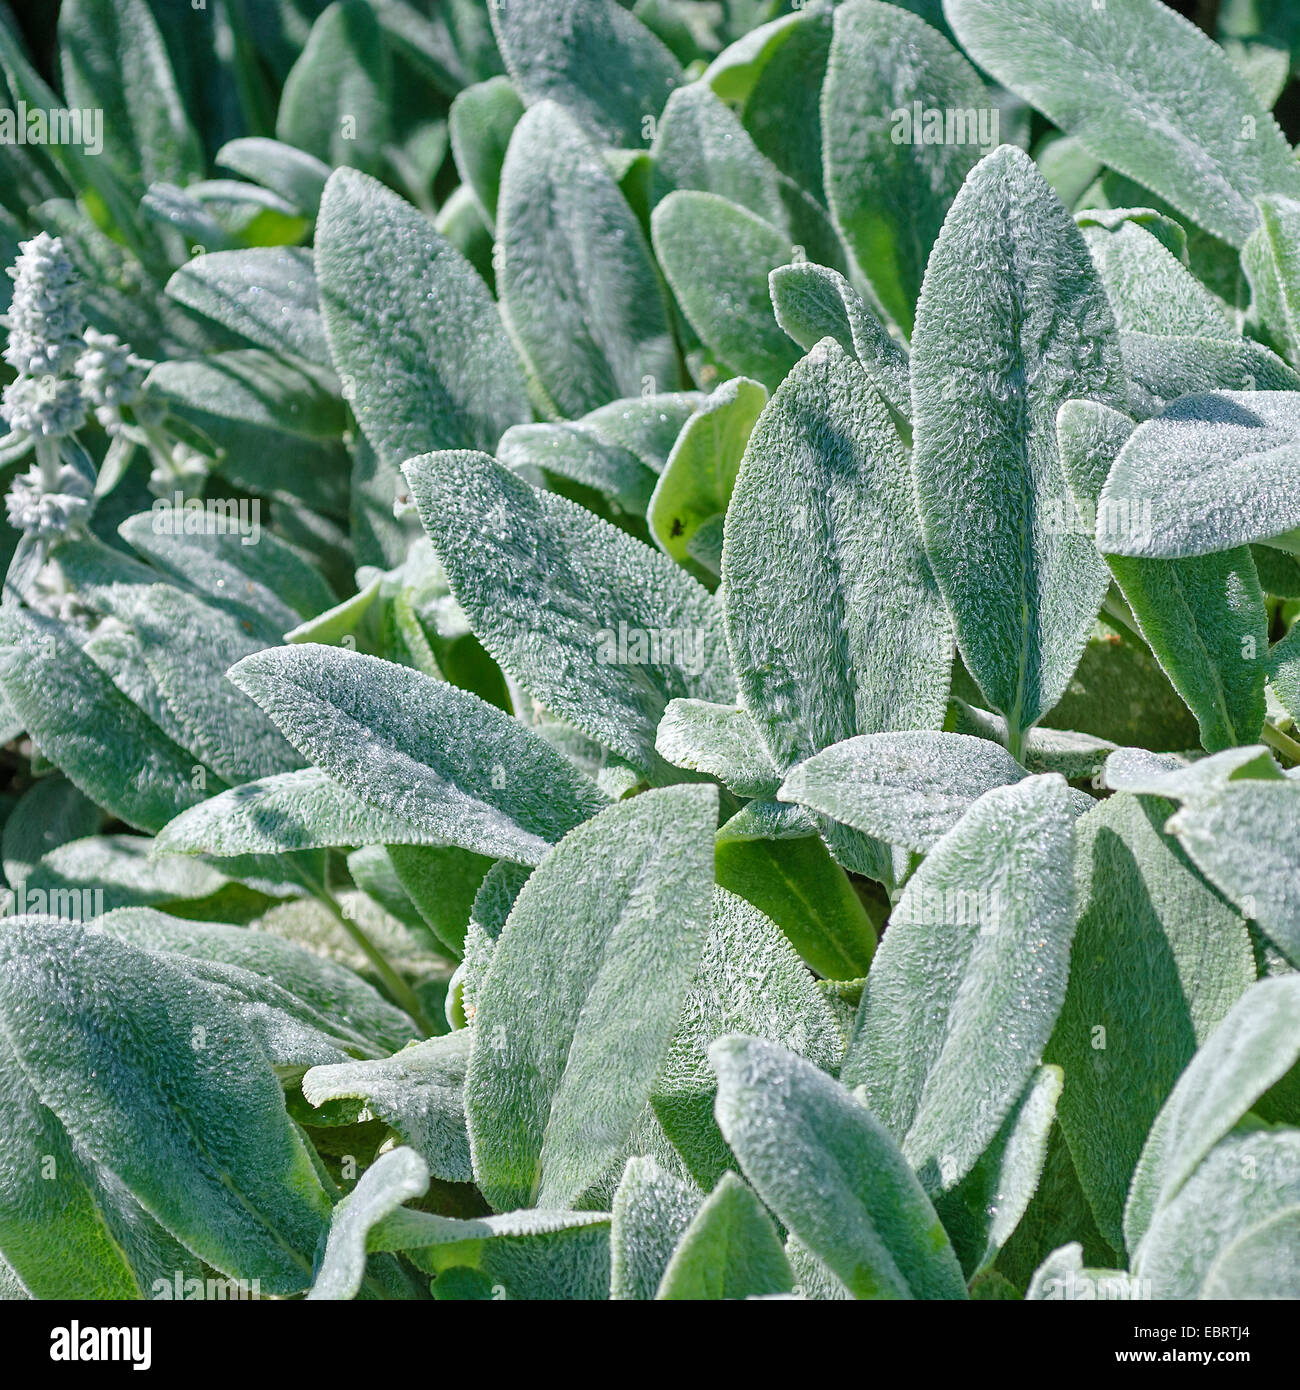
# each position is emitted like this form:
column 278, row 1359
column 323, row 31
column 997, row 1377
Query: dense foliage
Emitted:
column 649, row 650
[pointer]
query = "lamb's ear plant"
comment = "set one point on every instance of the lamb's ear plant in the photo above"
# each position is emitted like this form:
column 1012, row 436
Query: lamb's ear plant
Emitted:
column 649, row 652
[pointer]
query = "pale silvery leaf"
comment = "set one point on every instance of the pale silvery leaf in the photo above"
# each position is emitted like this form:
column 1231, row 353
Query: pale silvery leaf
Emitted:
column 813, row 302
column 103, row 742
column 296, row 175
column 1251, row 1177
column 823, row 554
column 291, row 811
column 831, row 1173
column 717, row 256
column 651, row 1210
column 748, row 977
column 1270, row 259
column 1203, row 618
column 719, row 740
column 420, row 749
column 547, row 1114
column 1253, row 1047
column 1159, row 959
column 480, row 123
column 1174, row 778
column 1214, row 471
column 267, row 579
column 412, row 329
column 416, row 1092
column 982, row 1212
column 605, row 67
column 269, row 294
column 1242, row 837
column 888, row 182
column 1260, row 1264
column 210, row 1151
column 1012, row 322
column 70, row 1227
column 587, row 311
column 1149, row 288
column 1184, row 122
column 973, row 966
column 603, row 630
column 907, row 789
column 393, row 1178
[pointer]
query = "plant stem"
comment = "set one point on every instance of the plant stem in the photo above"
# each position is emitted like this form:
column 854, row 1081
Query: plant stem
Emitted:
column 47, row 455
column 402, row 992
column 1282, row 743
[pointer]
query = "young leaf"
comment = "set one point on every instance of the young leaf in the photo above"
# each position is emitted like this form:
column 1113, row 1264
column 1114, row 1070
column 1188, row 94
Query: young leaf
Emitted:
column 1253, row 1047
column 600, row 628
column 1242, row 838
column 813, row 302
column 730, row 1250
column 604, row 66
column 907, row 789
column 547, row 1114
column 588, row 312
column 393, row 1178
column 464, row 772
column 831, row 1174
column 695, row 486
column 160, row 1081
column 1159, row 959
column 1214, row 471
column 748, row 977
column 651, row 1210
column 888, row 184
column 972, row 971
column 269, row 294
column 412, row 328
column 1012, row 321
column 717, row 256
column 1087, row 70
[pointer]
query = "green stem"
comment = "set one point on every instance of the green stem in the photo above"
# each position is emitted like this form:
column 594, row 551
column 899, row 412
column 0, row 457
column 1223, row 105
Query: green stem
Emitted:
column 1017, row 738
column 402, row 992
column 1282, row 743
